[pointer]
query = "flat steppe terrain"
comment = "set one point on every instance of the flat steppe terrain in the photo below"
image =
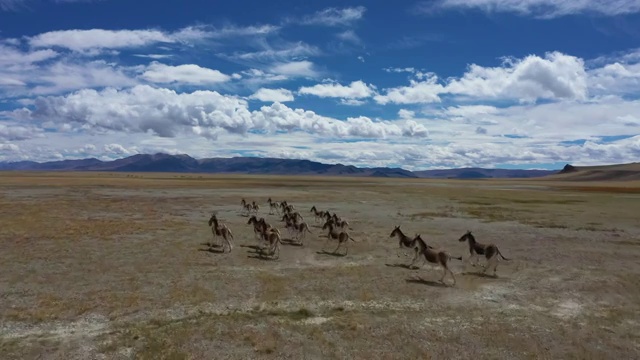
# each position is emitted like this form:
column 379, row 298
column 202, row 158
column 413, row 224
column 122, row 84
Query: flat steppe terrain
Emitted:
column 114, row 266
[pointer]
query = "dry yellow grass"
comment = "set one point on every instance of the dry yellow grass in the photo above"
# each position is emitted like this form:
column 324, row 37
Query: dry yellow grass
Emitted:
column 112, row 264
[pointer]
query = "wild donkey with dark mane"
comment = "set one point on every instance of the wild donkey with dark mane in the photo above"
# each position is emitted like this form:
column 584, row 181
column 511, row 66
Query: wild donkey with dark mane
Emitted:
column 318, row 214
column 258, row 225
column 300, row 230
column 340, row 223
column 287, row 208
column 271, row 235
column 273, row 205
column 439, row 257
column 220, row 230
column 254, row 207
column 490, row 251
column 342, row 237
column 406, row 242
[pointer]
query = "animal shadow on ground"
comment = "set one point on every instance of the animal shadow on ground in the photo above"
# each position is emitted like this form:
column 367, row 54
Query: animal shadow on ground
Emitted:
column 215, row 249
column 256, row 249
column 324, row 252
column 426, row 282
column 261, row 255
column 291, row 242
column 257, row 253
column 404, row 266
column 479, row 274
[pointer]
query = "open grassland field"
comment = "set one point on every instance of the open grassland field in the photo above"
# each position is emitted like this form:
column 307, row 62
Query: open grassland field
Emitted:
column 114, row 266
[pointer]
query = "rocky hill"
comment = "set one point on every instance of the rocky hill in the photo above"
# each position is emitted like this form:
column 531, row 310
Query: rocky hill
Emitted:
column 617, row 172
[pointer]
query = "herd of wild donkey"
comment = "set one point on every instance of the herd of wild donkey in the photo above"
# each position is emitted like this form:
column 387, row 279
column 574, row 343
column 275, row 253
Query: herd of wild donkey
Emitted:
column 336, row 227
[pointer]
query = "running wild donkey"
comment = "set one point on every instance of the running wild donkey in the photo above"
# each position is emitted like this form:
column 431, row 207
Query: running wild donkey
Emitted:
column 490, row 251
column 439, row 257
column 272, row 237
column 342, row 237
column 222, row 230
column 406, row 242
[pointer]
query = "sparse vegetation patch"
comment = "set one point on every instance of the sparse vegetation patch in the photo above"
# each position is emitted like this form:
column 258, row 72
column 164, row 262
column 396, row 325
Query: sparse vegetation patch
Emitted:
column 118, row 266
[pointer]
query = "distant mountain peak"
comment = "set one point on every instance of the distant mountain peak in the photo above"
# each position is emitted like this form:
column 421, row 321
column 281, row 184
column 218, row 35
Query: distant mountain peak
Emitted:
column 568, row 169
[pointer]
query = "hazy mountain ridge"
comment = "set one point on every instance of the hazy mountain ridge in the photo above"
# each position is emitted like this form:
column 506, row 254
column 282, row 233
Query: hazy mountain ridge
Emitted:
column 253, row 165
column 479, row 173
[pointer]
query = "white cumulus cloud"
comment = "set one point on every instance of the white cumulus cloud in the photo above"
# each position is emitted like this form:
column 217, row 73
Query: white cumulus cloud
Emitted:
column 417, row 92
column 302, row 68
column 556, row 76
column 13, row 57
column 355, row 90
column 184, row 74
column 615, row 78
column 272, row 95
column 82, row 40
column 89, row 40
column 115, row 149
column 406, row 114
column 166, row 113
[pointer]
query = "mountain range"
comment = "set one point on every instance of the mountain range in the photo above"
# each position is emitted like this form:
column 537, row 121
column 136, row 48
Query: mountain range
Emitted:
column 253, row 165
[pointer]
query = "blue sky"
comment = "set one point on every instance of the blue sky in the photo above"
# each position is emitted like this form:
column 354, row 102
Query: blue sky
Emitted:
column 419, row 84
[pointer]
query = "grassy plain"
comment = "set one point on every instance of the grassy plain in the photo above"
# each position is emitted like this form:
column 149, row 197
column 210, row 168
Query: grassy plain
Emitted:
column 112, row 265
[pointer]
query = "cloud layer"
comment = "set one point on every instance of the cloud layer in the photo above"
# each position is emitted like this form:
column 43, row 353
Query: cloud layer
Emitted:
column 539, row 8
column 166, row 113
column 267, row 90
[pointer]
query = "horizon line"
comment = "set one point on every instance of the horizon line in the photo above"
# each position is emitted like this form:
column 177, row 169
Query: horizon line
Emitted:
column 506, row 166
